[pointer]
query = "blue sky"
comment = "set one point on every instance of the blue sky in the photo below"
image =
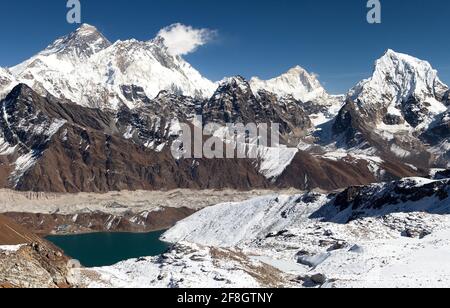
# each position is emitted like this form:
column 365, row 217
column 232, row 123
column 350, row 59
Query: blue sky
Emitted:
column 254, row 37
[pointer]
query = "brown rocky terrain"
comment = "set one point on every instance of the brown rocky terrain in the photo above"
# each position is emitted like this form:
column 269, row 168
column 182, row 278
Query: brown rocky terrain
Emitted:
column 59, row 146
column 125, row 211
column 34, row 264
column 46, row 224
column 88, row 153
column 312, row 171
column 12, row 233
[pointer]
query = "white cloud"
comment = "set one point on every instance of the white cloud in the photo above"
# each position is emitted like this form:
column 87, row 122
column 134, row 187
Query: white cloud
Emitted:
column 182, row 40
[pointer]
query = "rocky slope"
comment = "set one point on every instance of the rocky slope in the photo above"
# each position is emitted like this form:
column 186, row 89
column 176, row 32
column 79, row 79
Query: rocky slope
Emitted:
column 235, row 102
column 62, row 147
column 126, row 211
column 49, row 144
column 381, row 235
column 12, row 233
column 27, row 261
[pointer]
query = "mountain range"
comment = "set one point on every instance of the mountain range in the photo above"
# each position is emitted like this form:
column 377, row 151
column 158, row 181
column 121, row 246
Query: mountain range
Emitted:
column 89, row 115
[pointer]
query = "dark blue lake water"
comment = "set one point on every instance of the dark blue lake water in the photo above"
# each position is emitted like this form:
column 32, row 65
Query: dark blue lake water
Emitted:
column 103, row 249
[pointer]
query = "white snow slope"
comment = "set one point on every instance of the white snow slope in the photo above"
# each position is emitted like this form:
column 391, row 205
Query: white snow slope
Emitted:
column 7, row 82
column 292, row 238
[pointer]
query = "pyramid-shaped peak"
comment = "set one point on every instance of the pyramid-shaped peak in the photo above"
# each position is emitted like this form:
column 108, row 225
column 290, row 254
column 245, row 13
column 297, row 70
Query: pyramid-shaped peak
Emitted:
column 82, row 43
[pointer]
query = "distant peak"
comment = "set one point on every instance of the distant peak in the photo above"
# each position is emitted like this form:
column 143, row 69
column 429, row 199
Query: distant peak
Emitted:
column 235, row 82
column 87, row 30
column 397, row 78
column 390, row 52
column 394, row 54
column 87, row 27
column 391, row 55
column 297, row 70
column 83, row 42
column 296, row 82
column 239, row 80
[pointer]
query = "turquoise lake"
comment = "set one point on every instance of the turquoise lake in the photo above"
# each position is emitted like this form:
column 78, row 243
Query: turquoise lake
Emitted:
column 104, row 249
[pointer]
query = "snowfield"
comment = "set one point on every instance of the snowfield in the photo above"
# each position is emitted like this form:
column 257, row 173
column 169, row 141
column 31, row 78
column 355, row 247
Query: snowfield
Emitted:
column 10, row 248
column 384, row 235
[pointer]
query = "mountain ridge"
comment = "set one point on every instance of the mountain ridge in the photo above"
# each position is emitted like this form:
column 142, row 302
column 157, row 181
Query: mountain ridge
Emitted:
column 392, row 125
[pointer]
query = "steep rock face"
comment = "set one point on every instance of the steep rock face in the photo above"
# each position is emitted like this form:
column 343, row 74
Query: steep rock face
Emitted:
column 63, row 147
column 388, row 112
column 438, row 136
column 235, row 102
column 402, row 90
column 26, row 129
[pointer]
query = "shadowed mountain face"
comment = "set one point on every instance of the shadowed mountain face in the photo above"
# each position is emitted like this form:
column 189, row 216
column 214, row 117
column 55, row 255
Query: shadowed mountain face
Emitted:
column 60, row 146
column 53, row 145
column 86, row 114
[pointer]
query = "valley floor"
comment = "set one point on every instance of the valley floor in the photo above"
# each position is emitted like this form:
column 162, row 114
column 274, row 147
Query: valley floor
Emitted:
column 139, row 211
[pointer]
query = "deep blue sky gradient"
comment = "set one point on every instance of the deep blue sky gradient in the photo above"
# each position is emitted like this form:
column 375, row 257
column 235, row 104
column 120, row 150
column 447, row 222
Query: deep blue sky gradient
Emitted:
column 255, row 37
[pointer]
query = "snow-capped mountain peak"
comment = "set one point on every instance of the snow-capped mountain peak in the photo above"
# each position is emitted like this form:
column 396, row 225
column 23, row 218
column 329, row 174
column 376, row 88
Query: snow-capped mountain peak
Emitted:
column 401, row 76
column 297, row 82
column 87, row 69
column 304, row 87
column 82, row 43
column 234, row 82
column 406, row 86
column 150, row 66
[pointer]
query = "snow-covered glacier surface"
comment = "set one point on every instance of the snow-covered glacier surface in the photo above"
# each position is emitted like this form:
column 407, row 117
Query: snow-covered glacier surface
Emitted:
column 385, row 235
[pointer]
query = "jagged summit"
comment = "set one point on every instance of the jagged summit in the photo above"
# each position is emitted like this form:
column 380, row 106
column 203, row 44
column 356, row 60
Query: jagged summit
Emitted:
column 297, row 82
column 304, row 87
column 401, row 76
column 86, row 68
column 86, row 27
column 82, row 43
column 407, row 87
column 234, row 81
